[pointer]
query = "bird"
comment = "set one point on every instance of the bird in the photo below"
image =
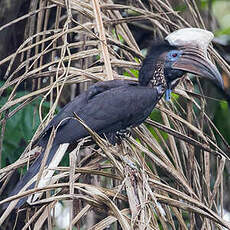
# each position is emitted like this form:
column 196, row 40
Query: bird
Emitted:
column 110, row 107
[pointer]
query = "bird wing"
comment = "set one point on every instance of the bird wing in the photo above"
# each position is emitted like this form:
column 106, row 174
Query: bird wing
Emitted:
column 109, row 111
column 78, row 104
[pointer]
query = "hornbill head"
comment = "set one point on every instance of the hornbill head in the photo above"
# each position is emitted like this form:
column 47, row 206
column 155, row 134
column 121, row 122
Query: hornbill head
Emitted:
column 183, row 51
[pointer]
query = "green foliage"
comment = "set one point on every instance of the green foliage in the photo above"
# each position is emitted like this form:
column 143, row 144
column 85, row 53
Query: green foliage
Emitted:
column 181, row 7
column 225, row 31
column 204, row 4
column 156, row 116
column 20, row 128
column 134, row 72
column 221, row 119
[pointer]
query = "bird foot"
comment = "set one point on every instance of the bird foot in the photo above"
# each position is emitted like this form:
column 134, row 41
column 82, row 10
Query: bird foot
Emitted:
column 123, row 133
column 116, row 138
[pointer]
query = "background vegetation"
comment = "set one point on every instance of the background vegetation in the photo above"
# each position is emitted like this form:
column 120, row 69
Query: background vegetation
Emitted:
column 169, row 174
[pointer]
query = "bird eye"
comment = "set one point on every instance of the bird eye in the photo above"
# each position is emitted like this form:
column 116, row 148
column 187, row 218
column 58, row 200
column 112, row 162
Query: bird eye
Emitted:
column 173, row 55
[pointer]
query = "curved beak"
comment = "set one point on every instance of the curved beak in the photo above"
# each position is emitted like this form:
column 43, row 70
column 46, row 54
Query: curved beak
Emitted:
column 195, row 60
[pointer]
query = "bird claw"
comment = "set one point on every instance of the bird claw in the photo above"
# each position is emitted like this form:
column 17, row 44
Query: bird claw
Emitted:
column 123, row 133
column 116, row 138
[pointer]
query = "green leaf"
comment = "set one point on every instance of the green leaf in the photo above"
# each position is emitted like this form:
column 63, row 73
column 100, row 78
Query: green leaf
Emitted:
column 20, row 128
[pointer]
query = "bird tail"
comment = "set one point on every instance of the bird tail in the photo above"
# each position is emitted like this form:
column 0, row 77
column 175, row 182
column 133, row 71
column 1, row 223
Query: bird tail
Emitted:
column 25, row 183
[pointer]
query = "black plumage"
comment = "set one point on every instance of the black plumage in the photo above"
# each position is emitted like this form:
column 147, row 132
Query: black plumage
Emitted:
column 110, row 106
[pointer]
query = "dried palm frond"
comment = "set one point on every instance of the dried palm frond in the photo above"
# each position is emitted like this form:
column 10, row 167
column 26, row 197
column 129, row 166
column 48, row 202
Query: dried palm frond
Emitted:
column 167, row 175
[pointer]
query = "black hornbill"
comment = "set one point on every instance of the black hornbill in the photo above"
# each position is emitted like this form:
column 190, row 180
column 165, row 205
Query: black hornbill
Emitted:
column 110, row 106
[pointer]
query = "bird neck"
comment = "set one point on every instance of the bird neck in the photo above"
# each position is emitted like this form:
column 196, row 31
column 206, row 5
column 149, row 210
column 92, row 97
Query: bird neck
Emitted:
column 158, row 77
